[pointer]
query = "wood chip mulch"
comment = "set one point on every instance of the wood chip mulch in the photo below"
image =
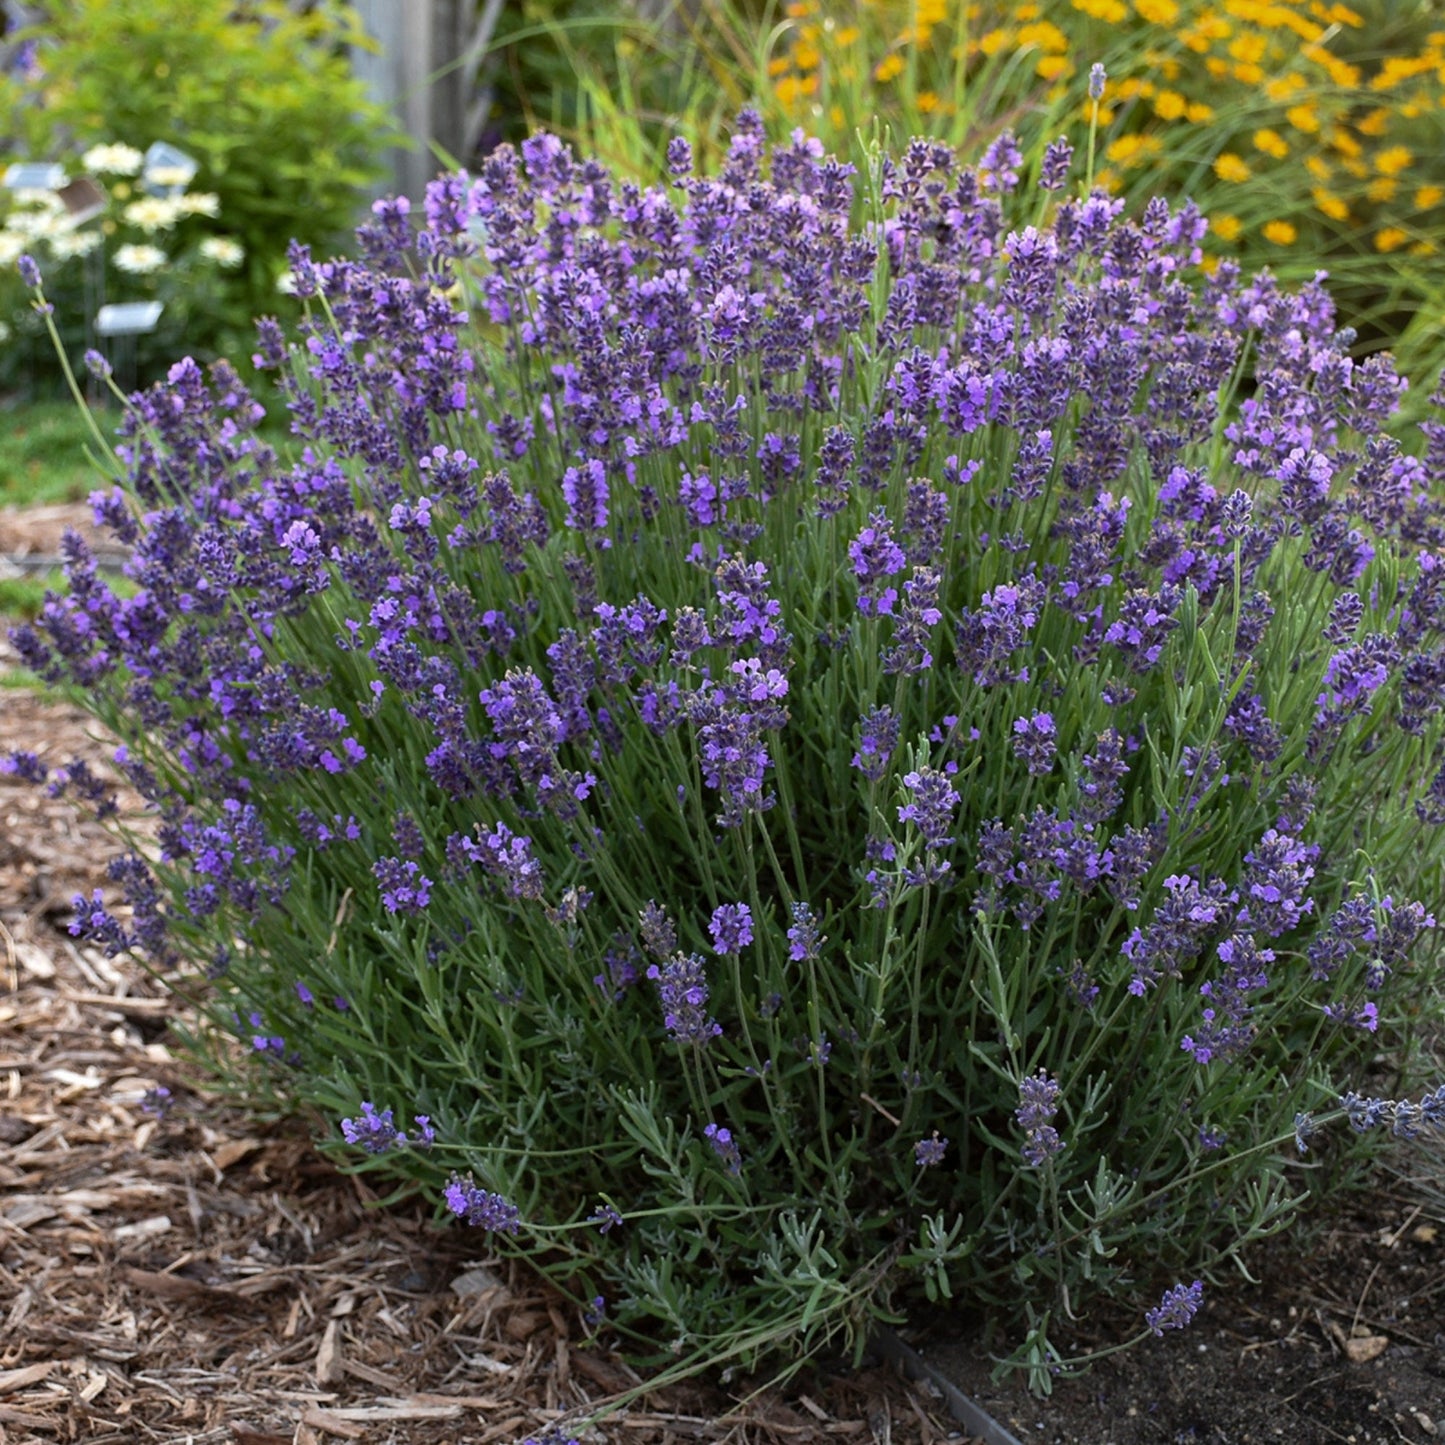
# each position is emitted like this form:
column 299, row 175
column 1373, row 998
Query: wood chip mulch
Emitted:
column 204, row 1277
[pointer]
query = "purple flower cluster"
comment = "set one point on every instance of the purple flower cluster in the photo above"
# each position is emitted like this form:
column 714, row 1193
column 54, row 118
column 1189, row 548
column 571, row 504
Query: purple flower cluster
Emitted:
column 731, row 928
column 724, row 1147
column 1038, row 1103
column 682, row 989
column 1176, row 1308
column 376, row 1132
column 478, row 1207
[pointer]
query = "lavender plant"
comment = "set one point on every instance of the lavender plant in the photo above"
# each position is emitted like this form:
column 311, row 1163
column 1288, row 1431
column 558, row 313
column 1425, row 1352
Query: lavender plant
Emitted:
column 827, row 738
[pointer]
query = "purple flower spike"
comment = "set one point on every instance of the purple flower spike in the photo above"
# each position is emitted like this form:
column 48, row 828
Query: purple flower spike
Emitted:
column 928, row 1152
column 731, row 928
column 682, row 989
column 29, row 271
column 724, row 1147
column 375, row 1132
column 1038, row 1103
column 1035, row 741
column 1176, row 1308
column 473, row 1204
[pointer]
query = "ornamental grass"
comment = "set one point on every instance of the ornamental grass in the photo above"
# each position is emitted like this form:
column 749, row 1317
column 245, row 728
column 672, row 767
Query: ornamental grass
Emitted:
column 794, row 740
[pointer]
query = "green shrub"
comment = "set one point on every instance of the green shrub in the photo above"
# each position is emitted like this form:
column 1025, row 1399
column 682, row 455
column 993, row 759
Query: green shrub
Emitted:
column 263, row 97
column 820, row 764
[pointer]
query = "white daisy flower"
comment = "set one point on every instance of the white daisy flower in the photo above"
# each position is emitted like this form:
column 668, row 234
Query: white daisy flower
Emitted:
column 113, row 160
column 223, row 251
column 199, row 203
column 152, row 214
column 139, row 260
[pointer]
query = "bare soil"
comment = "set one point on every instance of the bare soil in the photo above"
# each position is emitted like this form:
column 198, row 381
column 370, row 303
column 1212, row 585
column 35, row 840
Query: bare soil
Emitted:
column 203, row 1278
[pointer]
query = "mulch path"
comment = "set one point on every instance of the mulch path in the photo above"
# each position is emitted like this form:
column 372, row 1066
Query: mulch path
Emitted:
column 206, row 1277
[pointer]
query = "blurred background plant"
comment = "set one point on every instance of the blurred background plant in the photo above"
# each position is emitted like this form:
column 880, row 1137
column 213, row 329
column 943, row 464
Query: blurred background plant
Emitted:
column 261, row 95
column 133, row 233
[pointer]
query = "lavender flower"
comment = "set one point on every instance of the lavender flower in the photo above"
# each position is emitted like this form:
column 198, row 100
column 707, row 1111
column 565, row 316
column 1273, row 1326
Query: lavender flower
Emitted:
column 374, row 1131
column 1097, row 80
column 1038, row 1103
column 29, row 271
column 476, row 1206
column 731, row 928
column 605, row 1217
column 877, row 737
column 932, row 799
column 876, row 557
column 682, row 990
column 404, row 888
column 659, row 935
column 724, row 1147
column 156, row 1101
column 1176, row 1308
column 803, row 939
column 928, row 1152
column 1035, row 740
column 1054, row 170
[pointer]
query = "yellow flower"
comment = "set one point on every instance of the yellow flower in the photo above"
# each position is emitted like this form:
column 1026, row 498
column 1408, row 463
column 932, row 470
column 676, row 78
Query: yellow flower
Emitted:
column 1341, row 72
column 1377, row 122
column 1344, row 142
column 1111, row 12
column 779, row 65
column 1125, row 150
column 1303, row 117
column 1230, row 167
column 1319, row 167
column 807, row 56
column 1249, row 74
column 1390, row 239
column 1423, row 248
column 793, row 88
column 889, row 67
column 1209, row 264
column 1170, row 105
column 1248, row 48
column 1157, row 12
column 993, row 42
column 846, row 36
column 1216, row 67
column 927, row 102
column 1281, row 233
column 1024, row 13
column 1051, row 67
column 1227, row 228
column 1046, row 36
column 1272, row 143
column 1280, row 89
column 1428, row 196
column 835, row 114
column 1382, row 188
column 1392, row 160
column 1330, row 204
column 1199, row 113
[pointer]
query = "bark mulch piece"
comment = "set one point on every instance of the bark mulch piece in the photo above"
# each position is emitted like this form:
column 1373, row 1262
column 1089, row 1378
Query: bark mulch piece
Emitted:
column 203, row 1277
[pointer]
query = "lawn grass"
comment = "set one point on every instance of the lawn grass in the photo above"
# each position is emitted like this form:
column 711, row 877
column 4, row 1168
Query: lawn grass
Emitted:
column 21, row 598
column 43, row 457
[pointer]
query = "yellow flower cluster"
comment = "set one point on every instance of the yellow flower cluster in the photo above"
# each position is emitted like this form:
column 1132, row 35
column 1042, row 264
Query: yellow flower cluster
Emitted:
column 1289, row 101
